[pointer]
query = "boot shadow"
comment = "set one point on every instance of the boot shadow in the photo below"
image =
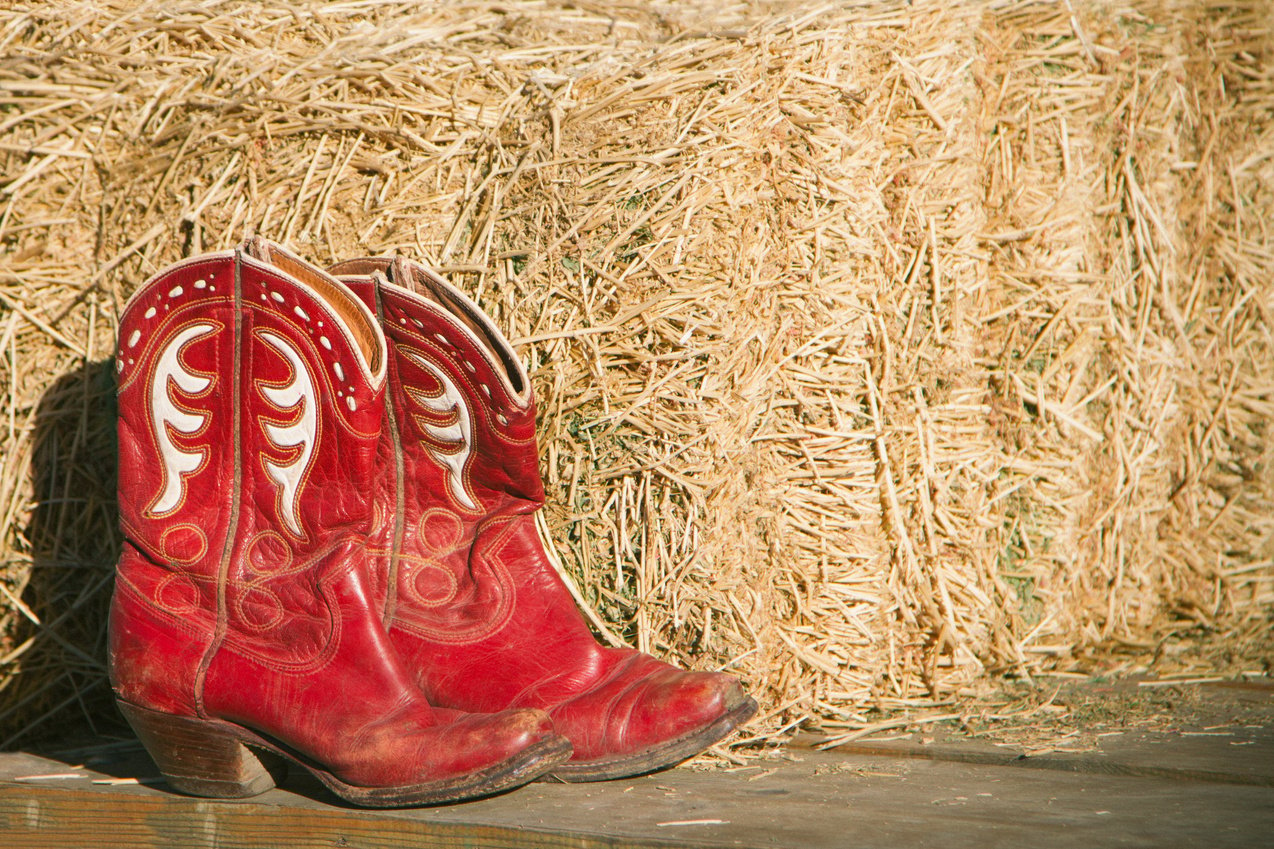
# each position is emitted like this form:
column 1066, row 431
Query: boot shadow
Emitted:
column 60, row 694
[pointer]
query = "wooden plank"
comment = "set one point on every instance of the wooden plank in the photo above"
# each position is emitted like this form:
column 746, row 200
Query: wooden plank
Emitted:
column 1222, row 733
column 811, row 799
column 1229, row 755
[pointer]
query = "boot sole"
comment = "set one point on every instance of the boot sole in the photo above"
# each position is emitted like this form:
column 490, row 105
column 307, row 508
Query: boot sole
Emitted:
column 219, row 759
column 658, row 757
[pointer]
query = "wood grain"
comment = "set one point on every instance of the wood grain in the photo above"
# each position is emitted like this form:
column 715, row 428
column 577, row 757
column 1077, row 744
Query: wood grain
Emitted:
column 801, row 799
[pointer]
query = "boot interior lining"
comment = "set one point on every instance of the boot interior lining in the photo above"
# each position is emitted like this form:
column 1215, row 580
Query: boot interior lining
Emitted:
column 337, row 297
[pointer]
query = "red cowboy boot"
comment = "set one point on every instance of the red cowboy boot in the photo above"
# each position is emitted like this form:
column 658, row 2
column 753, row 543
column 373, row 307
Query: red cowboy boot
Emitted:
column 470, row 596
column 251, row 395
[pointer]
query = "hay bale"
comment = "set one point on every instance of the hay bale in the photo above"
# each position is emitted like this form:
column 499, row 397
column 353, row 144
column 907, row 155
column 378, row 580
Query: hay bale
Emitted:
column 882, row 350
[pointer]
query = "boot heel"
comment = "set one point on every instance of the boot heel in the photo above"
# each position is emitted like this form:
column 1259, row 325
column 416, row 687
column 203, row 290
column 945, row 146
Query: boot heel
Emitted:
column 198, row 758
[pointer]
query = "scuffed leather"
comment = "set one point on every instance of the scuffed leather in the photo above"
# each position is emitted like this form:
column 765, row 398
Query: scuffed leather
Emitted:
column 470, row 596
column 243, row 590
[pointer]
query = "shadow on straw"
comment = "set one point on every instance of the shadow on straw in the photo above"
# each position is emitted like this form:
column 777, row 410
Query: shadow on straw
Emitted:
column 61, row 691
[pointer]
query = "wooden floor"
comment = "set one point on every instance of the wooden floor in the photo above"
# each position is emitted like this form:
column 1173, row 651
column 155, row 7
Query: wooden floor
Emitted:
column 1188, row 786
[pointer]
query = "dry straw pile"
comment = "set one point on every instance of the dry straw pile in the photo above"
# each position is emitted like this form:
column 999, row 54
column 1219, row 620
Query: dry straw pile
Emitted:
column 882, row 349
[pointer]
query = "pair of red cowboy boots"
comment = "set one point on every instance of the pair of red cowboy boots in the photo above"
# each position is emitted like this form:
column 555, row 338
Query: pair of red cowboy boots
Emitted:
column 327, row 489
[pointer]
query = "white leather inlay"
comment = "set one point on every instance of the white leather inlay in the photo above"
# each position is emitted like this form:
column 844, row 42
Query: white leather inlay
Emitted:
column 299, row 391
column 165, row 414
column 450, row 402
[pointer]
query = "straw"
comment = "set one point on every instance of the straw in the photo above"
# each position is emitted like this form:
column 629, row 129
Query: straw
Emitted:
column 884, row 352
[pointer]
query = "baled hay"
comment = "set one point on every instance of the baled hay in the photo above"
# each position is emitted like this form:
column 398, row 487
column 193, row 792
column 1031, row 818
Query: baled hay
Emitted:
column 880, row 349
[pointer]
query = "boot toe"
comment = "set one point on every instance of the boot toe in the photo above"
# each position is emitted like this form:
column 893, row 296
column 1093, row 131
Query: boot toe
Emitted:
column 671, row 704
column 649, row 716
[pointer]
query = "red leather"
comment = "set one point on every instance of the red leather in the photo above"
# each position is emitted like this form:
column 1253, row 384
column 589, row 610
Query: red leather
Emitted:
column 470, row 596
column 251, row 400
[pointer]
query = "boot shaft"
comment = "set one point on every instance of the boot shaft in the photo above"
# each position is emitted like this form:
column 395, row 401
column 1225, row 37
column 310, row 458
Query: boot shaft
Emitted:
column 251, row 396
column 461, row 400
column 459, row 473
